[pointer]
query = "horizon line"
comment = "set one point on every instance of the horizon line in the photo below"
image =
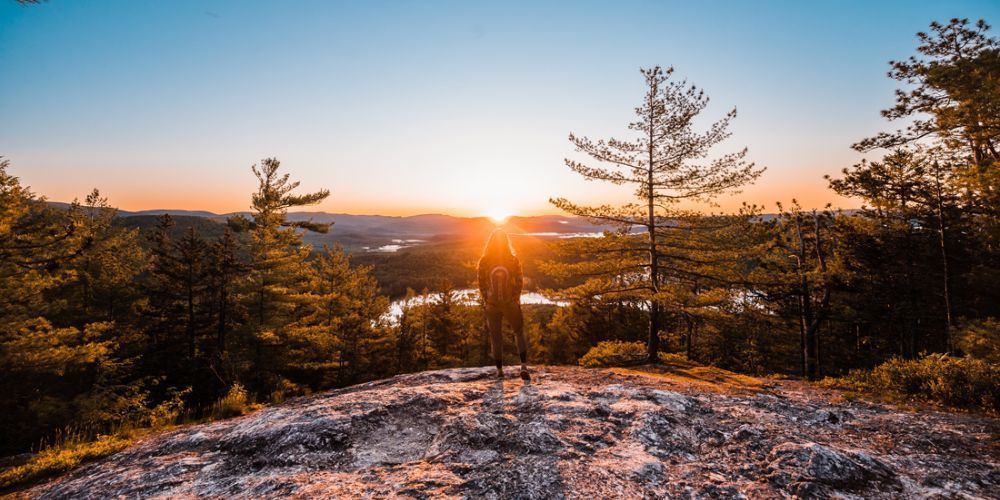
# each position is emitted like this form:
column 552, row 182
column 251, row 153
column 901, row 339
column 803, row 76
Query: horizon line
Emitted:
column 234, row 212
column 417, row 214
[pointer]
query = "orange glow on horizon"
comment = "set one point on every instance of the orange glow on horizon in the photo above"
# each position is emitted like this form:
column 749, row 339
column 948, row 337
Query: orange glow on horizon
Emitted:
column 528, row 198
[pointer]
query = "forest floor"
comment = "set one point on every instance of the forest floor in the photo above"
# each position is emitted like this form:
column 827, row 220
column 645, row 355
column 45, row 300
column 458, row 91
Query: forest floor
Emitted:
column 673, row 431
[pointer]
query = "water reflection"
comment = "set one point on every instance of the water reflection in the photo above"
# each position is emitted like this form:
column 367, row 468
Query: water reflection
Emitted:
column 465, row 296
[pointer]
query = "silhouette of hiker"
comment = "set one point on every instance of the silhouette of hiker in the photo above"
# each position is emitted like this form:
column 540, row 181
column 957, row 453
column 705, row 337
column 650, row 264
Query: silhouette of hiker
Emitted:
column 500, row 282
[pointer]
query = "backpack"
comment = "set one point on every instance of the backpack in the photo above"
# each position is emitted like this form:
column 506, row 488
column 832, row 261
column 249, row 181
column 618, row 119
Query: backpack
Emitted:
column 499, row 290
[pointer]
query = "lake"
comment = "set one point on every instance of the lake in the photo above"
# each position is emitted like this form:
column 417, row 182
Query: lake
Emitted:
column 465, row 296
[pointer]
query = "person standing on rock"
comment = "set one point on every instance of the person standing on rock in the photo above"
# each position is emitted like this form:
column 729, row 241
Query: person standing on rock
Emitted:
column 500, row 282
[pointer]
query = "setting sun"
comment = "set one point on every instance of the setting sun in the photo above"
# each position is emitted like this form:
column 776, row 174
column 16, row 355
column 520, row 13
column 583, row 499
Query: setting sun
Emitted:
column 498, row 215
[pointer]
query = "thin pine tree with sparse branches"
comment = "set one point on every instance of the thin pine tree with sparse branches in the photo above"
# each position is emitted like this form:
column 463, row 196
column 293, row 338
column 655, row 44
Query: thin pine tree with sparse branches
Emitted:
column 668, row 162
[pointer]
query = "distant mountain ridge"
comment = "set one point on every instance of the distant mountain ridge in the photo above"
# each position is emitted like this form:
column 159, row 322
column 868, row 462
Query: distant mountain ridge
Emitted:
column 365, row 232
column 422, row 225
column 369, row 232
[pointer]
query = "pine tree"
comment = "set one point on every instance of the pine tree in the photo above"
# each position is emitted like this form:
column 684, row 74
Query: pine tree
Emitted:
column 951, row 102
column 444, row 326
column 51, row 373
column 340, row 332
column 157, row 306
column 414, row 348
column 176, row 293
column 953, row 93
column 913, row 195
column 191, row 256
column 108, row 262
column 797, row 275
column 176, row 313
column 278, row 267
column 664, row 162
column 36, row 245
column 225, row 270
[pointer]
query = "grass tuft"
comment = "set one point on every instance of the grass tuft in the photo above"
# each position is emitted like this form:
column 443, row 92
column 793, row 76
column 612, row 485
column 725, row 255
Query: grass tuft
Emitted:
column 236, row 402
column 61, row 458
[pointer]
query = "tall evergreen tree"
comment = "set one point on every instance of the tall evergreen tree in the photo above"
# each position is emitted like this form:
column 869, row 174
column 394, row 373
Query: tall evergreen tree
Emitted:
column 666, row 162
column 177, row 299
column 108, row 263
column 225, row 271
column 191, row 256
column 445, row 327
column 278, row 268
column 157, row 306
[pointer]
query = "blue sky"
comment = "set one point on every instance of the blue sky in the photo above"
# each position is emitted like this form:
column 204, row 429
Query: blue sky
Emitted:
column 415, row 107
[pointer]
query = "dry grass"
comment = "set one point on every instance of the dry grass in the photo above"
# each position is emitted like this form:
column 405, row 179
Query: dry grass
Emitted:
column 235, row 403
column 61, row 458
column 72, row 449
column 682, row 373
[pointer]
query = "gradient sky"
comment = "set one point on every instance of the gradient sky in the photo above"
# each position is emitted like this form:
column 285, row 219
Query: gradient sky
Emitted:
column 416, row 107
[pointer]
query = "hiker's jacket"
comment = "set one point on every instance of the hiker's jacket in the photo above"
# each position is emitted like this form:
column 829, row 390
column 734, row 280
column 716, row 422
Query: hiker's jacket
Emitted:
column 500, row 279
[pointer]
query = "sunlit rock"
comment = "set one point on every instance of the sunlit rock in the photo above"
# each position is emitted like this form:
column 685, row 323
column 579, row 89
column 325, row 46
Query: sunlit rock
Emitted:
column 572, row 433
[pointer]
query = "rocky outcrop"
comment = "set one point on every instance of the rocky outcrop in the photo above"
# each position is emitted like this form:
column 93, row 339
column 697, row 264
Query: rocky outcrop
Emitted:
column 571, row 433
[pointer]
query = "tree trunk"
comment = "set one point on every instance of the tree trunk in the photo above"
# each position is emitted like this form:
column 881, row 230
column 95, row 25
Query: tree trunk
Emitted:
column 805, row 311
column 654, row 332
column 803, row 350
column 690, row 336
column 818, row 370
column 221, row 334
column 654, row 271
column 946, row 281
column 911, row 328
column 857, row 340
column 260, row 304
column 808, row 321
column 817, row 316
column 190, row 313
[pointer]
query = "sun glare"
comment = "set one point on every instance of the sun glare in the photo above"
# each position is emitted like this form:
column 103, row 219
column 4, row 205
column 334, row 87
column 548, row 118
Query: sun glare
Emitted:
column 498, row 215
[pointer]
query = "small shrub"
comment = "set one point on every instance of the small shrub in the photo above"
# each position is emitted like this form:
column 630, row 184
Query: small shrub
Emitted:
column 619, row 353
column 980, row 339
column 614, row 353
column 959, row 382
column 233, row 404
column 676, row 359
column 168, row 412
column 285, row 389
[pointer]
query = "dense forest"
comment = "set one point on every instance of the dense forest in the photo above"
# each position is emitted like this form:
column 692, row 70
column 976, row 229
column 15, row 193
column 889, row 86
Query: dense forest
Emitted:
column 105, row 325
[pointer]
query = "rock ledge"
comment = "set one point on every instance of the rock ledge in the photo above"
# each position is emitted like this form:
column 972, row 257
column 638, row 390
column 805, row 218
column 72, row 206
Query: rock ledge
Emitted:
column 572, row 433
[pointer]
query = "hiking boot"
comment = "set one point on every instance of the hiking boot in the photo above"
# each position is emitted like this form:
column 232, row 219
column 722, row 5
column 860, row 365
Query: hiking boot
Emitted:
column 524, row 374
column 500, row 373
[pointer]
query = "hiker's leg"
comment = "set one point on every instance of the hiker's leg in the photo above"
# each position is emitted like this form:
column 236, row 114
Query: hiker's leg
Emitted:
column 494, row 321
column 516, row 320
